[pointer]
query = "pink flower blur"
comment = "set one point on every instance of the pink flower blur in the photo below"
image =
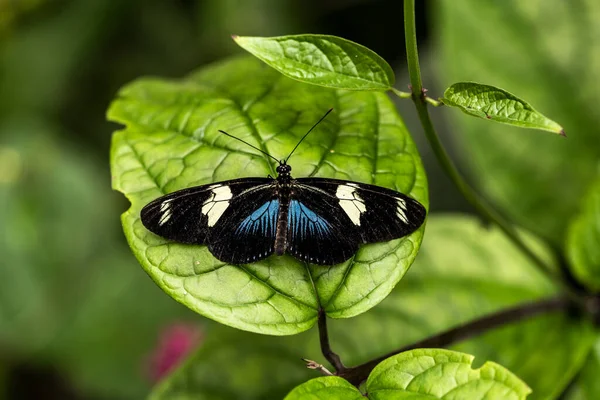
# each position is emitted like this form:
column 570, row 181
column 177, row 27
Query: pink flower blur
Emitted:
column 176, row 341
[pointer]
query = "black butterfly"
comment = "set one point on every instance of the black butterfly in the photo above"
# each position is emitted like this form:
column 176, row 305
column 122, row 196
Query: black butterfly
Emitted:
column 317, row 220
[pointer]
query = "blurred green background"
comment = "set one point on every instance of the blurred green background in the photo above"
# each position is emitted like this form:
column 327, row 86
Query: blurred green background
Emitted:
column 79, row 319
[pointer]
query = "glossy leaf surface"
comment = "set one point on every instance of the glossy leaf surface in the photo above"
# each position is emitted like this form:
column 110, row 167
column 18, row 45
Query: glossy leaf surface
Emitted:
column 495, row 104
column 322, row 60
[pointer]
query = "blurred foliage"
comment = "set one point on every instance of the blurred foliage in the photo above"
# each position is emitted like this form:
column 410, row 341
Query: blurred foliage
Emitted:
column 548, row 53
column 71, row 294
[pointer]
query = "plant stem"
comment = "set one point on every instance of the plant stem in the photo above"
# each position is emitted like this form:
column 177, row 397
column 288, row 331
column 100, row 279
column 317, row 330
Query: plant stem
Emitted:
column 329, row 355
column 482, row 207
column 356, row 375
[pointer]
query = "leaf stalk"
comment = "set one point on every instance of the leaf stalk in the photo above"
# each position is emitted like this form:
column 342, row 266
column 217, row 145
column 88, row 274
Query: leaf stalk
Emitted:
column 326, row 350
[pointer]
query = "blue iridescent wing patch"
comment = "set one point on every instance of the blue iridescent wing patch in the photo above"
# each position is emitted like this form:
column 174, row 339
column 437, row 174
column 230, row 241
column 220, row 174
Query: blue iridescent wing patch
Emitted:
column 262, row 221
column 303, row 222
column 246, row 231
column 318, row 231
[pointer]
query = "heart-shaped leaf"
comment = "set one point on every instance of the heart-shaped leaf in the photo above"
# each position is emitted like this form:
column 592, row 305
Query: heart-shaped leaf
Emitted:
column 322, row 60
column 172, row 142
column 583, row 240
column 489, row 102
column 422, row 374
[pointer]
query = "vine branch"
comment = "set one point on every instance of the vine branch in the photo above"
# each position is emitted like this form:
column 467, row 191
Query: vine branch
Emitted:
column 356, row 375
column 329, row 355
column 482, row 207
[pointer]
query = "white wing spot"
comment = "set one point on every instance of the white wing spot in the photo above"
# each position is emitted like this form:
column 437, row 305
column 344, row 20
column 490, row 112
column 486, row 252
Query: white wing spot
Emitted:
column 402, row 215
column 165, row 205
column 351, row 202
column 402, row 204
column 166, row 216
column 216, row 204
column 401, row 210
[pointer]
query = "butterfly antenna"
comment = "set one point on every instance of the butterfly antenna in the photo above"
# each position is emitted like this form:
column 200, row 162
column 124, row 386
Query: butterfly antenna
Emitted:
column 306, row 134
column 254, row 147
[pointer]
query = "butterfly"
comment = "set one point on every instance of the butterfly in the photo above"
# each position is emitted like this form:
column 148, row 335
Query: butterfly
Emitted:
column 317, row 220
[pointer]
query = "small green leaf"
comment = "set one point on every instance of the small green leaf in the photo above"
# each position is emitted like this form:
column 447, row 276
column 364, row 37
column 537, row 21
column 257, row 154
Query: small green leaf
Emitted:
column 322, row 60
column 489, row 102
column 325, row 388
column 583, row 240
column 171, row 142
column 442, row 374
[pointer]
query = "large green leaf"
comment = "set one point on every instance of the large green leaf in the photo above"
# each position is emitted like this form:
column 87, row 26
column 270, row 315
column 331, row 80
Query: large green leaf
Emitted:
column 546, row 51
column 464, row 271
column 322, row 60
column 172, row 142
column 489, row 102
column 583, row 240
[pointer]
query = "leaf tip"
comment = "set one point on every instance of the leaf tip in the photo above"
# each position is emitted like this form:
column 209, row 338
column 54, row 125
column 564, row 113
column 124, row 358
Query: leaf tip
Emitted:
column 235, row 37
column 562, row 133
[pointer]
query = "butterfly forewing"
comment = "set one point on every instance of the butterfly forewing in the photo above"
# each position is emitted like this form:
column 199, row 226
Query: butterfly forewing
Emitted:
column 376, row 213
column 188, row 215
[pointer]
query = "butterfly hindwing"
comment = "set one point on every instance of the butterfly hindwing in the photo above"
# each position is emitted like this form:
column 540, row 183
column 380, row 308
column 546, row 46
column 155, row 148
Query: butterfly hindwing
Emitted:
column 188, row 215
column 377, row 214
column 246, row 231
column 318, row 230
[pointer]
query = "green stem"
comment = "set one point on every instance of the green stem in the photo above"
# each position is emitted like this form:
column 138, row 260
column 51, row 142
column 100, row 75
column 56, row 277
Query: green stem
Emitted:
column 482, row 207
column 401, row 94
column 434, row 102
